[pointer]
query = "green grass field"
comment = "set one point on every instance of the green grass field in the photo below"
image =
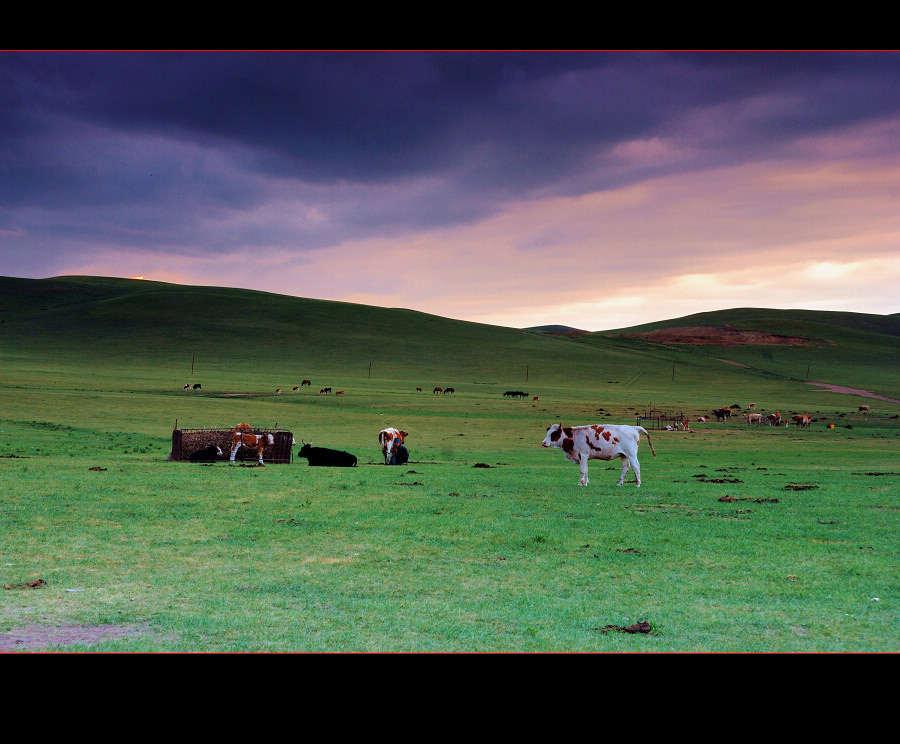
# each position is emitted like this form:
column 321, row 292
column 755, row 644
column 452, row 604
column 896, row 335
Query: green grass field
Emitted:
column 740, row 538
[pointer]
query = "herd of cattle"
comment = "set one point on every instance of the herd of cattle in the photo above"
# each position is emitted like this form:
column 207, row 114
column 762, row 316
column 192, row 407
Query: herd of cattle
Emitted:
column 579, row 443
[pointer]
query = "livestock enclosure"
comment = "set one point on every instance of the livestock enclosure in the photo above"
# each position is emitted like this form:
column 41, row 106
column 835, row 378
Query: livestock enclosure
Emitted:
column 187, row 441
column 656, row 419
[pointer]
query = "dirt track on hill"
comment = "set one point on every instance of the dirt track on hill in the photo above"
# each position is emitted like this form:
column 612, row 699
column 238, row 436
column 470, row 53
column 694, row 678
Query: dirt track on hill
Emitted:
column 716, row 336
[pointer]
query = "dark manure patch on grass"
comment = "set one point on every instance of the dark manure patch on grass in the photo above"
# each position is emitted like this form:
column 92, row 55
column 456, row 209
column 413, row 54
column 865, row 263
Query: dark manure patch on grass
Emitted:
column 639, row 627
column 799, row 487
column 705, row 479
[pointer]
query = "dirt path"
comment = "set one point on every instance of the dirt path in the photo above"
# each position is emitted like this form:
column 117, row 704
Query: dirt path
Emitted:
column 851, row 391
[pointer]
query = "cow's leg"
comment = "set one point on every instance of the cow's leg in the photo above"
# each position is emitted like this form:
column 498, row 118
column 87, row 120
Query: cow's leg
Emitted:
column 234, row 449
column 626, row 461
column 584, row 472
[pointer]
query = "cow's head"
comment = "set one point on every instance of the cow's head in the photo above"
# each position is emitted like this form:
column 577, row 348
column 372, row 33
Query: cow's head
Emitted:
column 304, row 450
column 554, row 436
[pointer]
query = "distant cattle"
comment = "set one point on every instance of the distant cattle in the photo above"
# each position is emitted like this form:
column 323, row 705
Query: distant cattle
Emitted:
column 753, row 418
column 583, row 443
column 863, row 409
column 389, row 439
column 306, row 383
column 207, row 454
column 295, row 389
column 774, row 419
column 241, row 437
column 325, row 391
column 323, row 457
column 196, row 386
column 339, row 392
column 187, row 387
column 701, row 419
column 278, row 390
column 449, row 390
column 722, row 414
column 437, row 390
column 535, row 398
column 801, row 420
column 751, row 406
column 418, row 390
column 515, row 394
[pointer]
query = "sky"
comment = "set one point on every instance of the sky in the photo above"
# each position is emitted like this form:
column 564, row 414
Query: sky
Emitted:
column 597, row 190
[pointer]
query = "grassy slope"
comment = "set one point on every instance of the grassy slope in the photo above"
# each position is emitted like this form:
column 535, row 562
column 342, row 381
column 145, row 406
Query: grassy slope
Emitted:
column 515, row 557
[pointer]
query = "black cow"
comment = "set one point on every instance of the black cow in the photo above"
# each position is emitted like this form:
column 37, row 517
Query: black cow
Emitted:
column 197, row 386
column 323, row 457
column 207, row 454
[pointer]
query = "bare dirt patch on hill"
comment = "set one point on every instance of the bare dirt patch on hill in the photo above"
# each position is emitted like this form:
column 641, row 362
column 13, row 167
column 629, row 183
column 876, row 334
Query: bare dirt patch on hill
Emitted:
column 716, row 336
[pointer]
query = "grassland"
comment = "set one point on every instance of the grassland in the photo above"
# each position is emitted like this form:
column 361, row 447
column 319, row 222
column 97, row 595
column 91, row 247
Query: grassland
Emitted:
column 740, row 539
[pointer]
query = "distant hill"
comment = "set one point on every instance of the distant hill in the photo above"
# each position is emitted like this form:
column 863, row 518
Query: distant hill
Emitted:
column 556, row 329
column 87, row 324
column 783, row 322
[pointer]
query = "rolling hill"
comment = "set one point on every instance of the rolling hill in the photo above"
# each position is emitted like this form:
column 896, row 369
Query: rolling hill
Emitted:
column 124, row 325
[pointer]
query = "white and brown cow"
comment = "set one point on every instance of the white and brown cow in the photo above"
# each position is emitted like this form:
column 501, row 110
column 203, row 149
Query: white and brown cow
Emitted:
column 241, row 437
column 583, row 443
column 389, row 439
column 753, row 418
column 801, row 420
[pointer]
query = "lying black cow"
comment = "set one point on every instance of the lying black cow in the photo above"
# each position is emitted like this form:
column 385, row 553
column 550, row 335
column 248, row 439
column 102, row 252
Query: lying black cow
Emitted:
column 323, row 457
column 207, row 454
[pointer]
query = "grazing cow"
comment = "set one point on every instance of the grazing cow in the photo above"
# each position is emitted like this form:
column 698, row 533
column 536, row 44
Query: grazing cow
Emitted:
column 535, row 398
column 774, row 419
column 863, row 409
column 295, row 389
column 278, row 390
column 306, row 383
column 437, row 390
column 801, row 420
column 339, row 392
column 418, row 390
column 187, row 387
column 323, row 457
column 583, row 443
column 196, row 386
column 241, row 437
column 389, row 439
column 701, row 419
column 515, row 394
column 722, row 414
column 449, row 390
column 207, row 454
column 685, row 425
column 325, row 391
column 753, row 418
column 751, row 406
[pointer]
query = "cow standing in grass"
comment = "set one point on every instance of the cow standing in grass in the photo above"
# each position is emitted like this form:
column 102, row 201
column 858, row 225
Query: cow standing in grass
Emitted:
column 241, row 437
column 389, row 439
column 583, row 443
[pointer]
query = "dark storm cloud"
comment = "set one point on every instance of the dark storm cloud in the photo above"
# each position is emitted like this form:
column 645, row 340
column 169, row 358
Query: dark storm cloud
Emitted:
column 161, row 149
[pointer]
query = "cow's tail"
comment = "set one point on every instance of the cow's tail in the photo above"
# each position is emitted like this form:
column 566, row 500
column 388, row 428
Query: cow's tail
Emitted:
column 649, row 441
